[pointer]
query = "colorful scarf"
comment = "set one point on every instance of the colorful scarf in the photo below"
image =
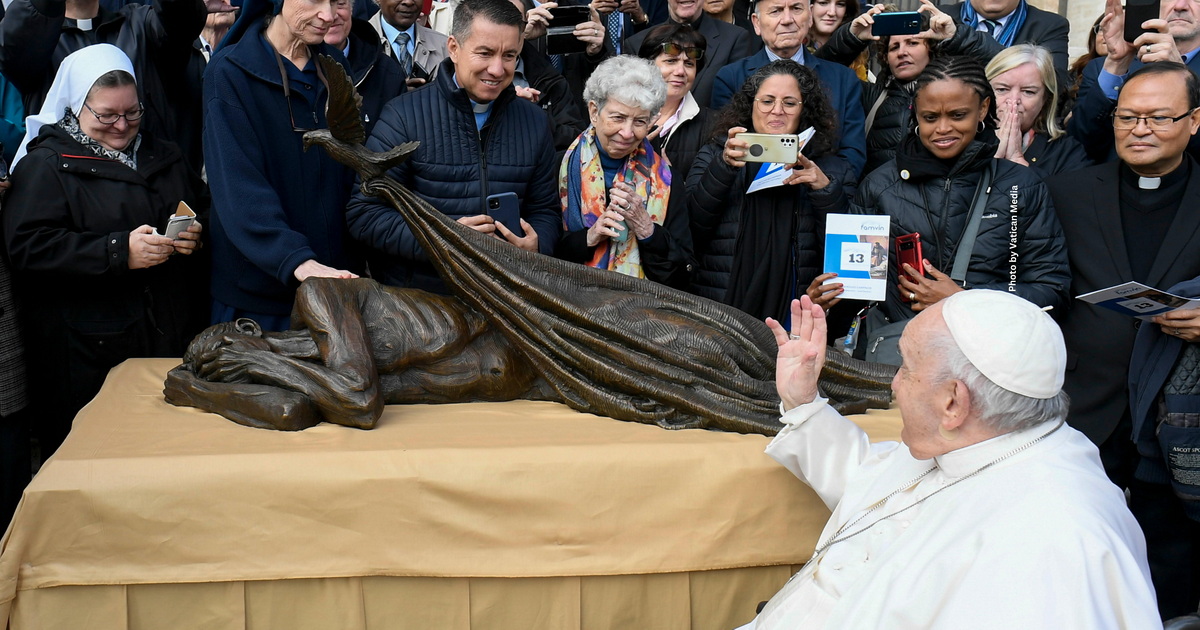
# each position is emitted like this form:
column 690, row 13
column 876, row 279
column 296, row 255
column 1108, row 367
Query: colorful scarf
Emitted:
column 581, row 189
column 972, row 19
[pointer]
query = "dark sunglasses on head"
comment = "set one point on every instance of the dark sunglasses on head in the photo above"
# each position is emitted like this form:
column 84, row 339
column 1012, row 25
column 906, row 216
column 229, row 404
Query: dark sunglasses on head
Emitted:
column 692, row 52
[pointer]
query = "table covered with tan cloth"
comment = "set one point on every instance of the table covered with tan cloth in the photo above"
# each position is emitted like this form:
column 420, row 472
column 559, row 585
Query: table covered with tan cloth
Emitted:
column 487, row 516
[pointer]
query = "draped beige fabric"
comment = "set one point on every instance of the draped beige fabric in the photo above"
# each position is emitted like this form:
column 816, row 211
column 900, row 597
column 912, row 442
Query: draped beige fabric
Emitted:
column 487, row 516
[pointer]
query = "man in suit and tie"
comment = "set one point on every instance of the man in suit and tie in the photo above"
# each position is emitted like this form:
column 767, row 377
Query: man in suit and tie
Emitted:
column 783, row 26
column 1173, row 37
column 1135, row 220
column 418, row 49
column 726, row 43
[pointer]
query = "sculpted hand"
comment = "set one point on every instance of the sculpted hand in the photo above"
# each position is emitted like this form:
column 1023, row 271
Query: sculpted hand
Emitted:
column 735, row 150
column 801, row 354
column 189, row 239
column 624, row 200
column 806, row 172
column 825, row 295
column 313, row 269
column 529, row 242
column 926, row 292
column 1184, row 323
column 147, row 249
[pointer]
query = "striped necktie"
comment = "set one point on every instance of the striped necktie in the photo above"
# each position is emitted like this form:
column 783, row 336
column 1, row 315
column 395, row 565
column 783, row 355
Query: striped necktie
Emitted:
column 401, row 49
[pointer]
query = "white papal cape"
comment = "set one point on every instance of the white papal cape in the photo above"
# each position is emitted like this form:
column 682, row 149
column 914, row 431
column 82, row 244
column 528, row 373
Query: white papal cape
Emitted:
column 1041, row 539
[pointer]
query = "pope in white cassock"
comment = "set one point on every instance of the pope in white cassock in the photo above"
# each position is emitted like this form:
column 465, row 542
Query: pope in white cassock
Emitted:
column 992, row 513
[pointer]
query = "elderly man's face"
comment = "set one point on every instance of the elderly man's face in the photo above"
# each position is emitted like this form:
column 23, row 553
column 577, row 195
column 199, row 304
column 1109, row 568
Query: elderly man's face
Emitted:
column 783, row 24
column 1183, row 22
column 995, row 9
column 920, row 392
column 684, row 11
column 339, row 29
column 1152, row 152
column 484, row 62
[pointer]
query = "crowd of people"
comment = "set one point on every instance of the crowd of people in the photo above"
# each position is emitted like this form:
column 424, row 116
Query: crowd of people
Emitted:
column 621, row 149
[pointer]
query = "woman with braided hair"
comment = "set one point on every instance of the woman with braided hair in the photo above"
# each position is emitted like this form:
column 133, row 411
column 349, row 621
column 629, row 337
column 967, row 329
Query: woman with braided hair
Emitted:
column 934, row 187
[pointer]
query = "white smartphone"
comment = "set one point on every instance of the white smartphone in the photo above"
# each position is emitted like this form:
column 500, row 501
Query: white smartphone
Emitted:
column 178, row 224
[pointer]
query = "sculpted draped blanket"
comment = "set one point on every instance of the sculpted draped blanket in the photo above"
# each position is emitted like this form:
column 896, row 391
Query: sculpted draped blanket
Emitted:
column 607, row 343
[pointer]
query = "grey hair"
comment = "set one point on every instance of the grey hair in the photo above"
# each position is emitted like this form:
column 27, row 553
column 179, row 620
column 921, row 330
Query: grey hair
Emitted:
column 633, row 81
column 1001, row 410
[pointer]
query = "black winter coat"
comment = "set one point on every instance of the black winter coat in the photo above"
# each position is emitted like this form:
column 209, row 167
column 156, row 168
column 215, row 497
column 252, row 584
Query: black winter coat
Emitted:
column 1043, row 275
column 1050, row 157
column 892, row 119
column 556, row 100
column 684, row 142
column 455, row 169
column 716, row 198
column 66, row 229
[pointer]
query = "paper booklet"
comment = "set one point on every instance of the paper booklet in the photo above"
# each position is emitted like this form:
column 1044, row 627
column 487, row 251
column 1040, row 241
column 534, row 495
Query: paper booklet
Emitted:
column 856, row 249
column 1138, row 300
column 772, row 175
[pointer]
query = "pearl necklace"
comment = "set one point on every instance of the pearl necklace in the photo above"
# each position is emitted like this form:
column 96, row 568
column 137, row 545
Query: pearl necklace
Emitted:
column 840, row 535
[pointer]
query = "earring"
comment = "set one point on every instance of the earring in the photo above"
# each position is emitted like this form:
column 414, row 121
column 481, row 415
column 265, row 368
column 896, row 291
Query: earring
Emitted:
column 948, row 434
column 982, row 127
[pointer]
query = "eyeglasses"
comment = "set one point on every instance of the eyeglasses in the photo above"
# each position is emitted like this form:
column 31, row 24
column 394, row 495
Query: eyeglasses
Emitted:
column 692, row 52
column 1121, row 121
column 111, row 119
column 767, row 105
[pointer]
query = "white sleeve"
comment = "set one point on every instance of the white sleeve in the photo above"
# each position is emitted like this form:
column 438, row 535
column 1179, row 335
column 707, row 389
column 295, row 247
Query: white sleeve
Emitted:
column 821, row 447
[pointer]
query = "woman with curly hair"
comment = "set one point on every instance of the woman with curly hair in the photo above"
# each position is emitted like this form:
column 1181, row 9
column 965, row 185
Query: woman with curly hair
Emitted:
column 756, row 251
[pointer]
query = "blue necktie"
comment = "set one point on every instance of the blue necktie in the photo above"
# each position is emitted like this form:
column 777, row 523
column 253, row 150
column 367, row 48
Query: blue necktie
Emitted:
column 614, row 31
column 401, row 49
column 993, row 28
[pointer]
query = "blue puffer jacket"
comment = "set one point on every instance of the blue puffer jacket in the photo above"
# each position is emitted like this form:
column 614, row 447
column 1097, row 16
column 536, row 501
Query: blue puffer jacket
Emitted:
column 455, row 169
column 274, row 204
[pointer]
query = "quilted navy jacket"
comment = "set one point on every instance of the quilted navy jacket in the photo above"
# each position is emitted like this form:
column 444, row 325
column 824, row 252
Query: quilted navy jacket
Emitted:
column 455, row 169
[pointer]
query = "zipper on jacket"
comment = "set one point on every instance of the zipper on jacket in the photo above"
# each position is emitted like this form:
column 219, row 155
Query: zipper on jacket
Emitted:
column 484, row 134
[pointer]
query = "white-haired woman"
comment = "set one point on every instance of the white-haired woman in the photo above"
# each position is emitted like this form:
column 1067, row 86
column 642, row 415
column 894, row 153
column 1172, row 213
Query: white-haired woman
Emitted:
column 95, row 282
column 1026, row 99
column 618, row 208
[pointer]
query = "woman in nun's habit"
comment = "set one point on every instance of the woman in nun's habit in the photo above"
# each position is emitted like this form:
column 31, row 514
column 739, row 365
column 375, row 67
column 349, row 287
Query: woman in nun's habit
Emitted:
column 95, row 280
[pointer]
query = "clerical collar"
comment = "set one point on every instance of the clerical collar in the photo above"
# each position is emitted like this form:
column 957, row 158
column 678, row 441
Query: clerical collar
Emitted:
column 967, row 460
column 1133, row 180
column 84, row 24
column 476, row 106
